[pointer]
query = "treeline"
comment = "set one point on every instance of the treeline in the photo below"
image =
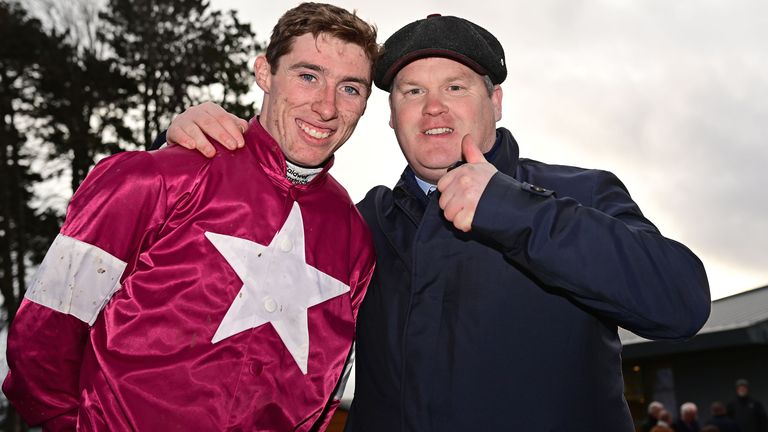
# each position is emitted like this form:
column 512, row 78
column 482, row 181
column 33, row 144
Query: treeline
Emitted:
column 80, row 79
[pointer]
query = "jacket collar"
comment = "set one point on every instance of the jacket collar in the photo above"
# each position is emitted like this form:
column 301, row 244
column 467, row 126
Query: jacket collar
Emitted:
column 411, row 201
column 505, row 154
column 270, row 157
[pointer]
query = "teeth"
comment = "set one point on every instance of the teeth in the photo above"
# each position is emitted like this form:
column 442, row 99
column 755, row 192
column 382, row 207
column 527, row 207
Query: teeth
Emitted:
column 438, row 131
column 314, row 133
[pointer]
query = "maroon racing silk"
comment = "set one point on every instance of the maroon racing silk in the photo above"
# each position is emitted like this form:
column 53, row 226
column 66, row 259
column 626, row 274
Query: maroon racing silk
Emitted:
column 193, row 294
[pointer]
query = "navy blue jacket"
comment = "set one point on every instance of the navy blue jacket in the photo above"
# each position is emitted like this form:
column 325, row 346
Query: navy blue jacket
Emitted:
column 513, row 326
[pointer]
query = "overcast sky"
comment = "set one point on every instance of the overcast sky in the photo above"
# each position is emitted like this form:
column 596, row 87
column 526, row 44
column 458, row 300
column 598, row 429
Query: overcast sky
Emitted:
column 672, row 96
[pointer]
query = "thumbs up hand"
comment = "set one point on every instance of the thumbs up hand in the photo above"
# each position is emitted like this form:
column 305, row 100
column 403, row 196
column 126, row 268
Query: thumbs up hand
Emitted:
column 461, row 188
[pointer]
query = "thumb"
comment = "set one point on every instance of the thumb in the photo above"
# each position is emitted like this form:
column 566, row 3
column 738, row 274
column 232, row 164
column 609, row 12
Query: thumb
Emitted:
column 471, row 151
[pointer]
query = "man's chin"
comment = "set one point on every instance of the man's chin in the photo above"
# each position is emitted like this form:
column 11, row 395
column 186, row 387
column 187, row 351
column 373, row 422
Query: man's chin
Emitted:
column 430, row 175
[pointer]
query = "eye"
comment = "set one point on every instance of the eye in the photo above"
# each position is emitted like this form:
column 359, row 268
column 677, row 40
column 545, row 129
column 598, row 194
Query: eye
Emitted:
column 350, row 90
column 413, row 91
column 455, row 87
column 307, row 77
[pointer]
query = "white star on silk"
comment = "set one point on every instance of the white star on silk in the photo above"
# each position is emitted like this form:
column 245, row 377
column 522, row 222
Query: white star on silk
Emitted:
column 278, row 286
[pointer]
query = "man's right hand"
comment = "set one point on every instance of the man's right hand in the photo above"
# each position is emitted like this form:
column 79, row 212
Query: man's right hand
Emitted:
column 189, row 129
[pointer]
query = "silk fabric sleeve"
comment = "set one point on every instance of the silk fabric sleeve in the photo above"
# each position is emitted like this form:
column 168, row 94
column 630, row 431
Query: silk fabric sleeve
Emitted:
column 113, row 212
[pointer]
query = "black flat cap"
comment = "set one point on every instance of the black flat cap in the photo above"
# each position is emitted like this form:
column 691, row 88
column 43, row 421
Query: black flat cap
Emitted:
column 441, row 36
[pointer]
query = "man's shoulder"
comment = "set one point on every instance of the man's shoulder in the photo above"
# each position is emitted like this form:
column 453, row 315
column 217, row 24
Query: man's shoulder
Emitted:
column 376, row 196
column 378, row 191
column 335, row 189
column 121, row 170
column 178, row 160
column 534, row 167
column 337, row 196
column 174, row 160
column 165, row 174
column 564, row 179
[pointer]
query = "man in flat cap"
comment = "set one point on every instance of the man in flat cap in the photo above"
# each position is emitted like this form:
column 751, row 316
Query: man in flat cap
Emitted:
column 496, row 300
column 748, row 412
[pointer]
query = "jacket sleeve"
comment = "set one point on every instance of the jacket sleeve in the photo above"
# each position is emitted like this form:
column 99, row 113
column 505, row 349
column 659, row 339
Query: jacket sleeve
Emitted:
column 108, row 218
column 603, row 254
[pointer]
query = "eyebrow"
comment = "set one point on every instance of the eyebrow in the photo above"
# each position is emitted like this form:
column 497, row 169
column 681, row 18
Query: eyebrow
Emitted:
column 320, row 69
column 406, row 83
column 415, row 83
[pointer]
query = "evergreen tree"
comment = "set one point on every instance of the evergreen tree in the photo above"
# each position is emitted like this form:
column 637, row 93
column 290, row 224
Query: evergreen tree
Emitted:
column 88, row 84
column 20, row 74
column 84, row 95
column 179, row 53
column 24, row 233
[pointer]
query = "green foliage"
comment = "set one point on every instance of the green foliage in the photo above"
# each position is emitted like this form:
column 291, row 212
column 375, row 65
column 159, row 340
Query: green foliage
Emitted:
column 20, row 73
column 87, row 83
column 84, row 101
column 178, row 53
column 24, row 233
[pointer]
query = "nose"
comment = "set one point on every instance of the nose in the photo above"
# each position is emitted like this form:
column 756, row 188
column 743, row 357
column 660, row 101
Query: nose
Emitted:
column 325, row 103
column 434, row 104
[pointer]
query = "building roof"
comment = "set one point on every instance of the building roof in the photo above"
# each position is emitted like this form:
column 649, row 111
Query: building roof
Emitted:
column 739, row 319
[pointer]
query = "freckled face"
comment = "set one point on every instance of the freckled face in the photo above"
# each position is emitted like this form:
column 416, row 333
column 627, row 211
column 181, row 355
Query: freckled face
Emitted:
column 435, row 102
column 313, row 102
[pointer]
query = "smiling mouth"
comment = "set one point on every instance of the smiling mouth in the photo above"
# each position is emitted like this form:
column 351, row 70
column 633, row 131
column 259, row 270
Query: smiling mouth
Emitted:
column 438, row 131
column 313, row 131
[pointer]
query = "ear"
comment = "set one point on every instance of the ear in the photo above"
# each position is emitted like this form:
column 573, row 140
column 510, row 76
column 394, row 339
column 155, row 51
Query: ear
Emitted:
column 263, row 73
column 391, row 113
column 496, row 97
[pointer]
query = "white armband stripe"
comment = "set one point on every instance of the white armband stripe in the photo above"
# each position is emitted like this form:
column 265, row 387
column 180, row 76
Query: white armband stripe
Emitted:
column 76, row 278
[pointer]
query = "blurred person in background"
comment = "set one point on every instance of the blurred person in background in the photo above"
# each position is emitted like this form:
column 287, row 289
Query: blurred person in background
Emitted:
column 719, row 417
column 688, row 420
column 748, row 412
column 652, row 419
